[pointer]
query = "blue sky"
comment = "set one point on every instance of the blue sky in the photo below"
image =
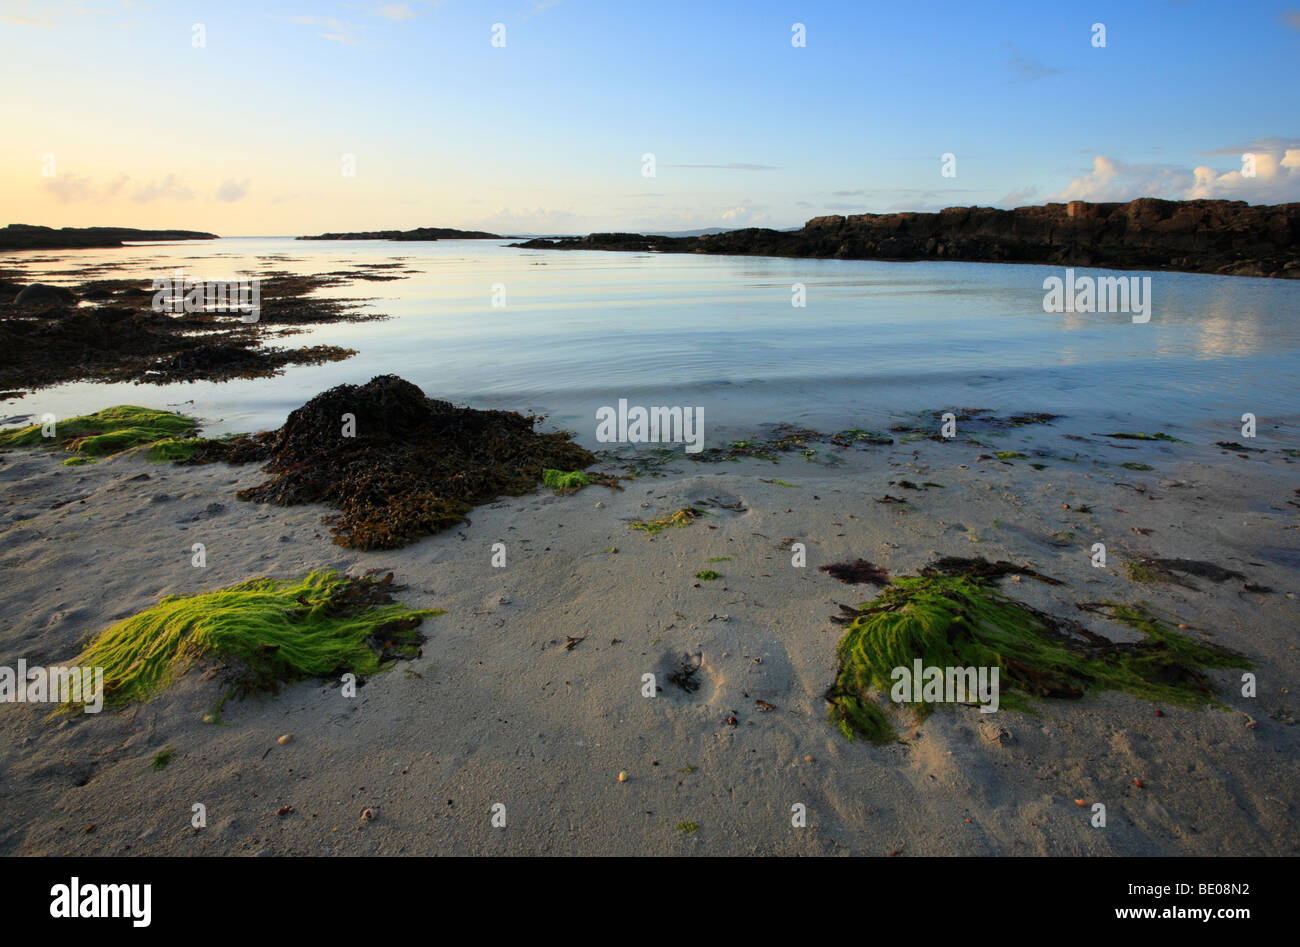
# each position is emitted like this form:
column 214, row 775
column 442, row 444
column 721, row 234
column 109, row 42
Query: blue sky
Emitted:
column 114, row 116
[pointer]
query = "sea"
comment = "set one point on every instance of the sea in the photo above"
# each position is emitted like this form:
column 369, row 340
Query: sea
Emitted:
column 748, row 341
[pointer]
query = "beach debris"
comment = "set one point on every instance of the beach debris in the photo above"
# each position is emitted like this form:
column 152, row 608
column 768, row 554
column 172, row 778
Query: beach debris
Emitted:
column 622, row 777
column 367, row 815
column 975, row 567
column 1159, row 436
column 1154, row 569
column 397, row 465
column 570, row 642
column 764, row 705
column 284, row 739
column 683, row 517
column 945, row 620
column 284, row 810
column 260, row 634
column 857, row 572
column 708, row 575
column 684, row 674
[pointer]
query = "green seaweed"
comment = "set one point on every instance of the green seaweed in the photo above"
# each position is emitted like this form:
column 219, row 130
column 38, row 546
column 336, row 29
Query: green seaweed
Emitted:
column 1010, row 455
column 688, row 828
column 959, row 621
column 162, row 758
column 104, row 433
column 683, row 517
column 565, row 482
column 708, row 575
column 268, row 630
column 1139, row 571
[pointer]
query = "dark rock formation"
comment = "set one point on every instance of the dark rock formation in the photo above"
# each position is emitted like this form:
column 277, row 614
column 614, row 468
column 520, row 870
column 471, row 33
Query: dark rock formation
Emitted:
column 1228, row 237
column 28, row 237
column 42, row 294
column 420, row 233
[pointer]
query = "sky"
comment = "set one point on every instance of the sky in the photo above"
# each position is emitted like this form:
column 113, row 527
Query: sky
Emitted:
column 574, row 116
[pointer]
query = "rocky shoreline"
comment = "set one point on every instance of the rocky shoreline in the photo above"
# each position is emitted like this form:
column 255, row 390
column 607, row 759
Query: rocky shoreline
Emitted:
column 418, row 234
column 31, row 237
column 1230, row 238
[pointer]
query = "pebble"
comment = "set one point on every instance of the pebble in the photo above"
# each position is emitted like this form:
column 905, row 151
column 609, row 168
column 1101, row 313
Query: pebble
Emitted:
column 622, row 777
column 285, row 739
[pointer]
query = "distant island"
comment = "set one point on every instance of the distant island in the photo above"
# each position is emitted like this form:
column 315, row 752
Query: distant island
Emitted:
column 420, row 233
column 29, row 237
column 1225, row 237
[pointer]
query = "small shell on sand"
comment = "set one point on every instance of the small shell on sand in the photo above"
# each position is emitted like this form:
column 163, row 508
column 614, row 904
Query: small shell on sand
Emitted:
column 368, row 815
column 285, row 739
column 622, row 777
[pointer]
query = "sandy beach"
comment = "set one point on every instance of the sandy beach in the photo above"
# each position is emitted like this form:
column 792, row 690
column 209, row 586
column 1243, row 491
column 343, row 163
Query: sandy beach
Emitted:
column 528, row 692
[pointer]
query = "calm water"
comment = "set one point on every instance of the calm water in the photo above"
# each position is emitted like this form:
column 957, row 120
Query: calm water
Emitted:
column 875, row 342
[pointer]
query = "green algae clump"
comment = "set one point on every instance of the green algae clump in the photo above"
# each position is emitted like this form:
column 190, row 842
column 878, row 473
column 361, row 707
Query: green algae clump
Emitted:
column 104, row 433
column 964, row 621
column 268, row 631
column 562, row 482
column 683, row 517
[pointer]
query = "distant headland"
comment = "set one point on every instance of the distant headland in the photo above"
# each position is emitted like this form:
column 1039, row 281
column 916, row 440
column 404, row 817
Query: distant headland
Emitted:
column 420, row 233
column 1225, row 237
column 29, row 237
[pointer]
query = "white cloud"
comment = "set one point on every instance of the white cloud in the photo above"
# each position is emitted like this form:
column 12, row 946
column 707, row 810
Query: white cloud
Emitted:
column 397, row 11
column 170, row 189
column 232, row 190
column 1019, row 197
column 745, row 215
column 1276, row 179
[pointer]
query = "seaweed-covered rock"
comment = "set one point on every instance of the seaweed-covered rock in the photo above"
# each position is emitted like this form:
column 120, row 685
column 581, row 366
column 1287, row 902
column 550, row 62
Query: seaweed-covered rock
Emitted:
column 42, row 294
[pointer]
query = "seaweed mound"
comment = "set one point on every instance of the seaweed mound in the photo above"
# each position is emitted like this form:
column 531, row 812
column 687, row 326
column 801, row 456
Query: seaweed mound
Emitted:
column 398, row 465
column 267, row 631
column 964, row 621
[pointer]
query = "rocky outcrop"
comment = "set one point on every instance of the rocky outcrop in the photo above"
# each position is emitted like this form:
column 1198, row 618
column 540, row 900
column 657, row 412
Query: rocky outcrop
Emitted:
column 1228, row 237
column 42, row 294
column 420, row 233
column 29, row 237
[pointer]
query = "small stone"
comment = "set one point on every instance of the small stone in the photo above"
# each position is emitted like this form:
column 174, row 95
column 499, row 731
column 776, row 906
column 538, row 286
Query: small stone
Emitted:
column 622, row 777
column 285, row 739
